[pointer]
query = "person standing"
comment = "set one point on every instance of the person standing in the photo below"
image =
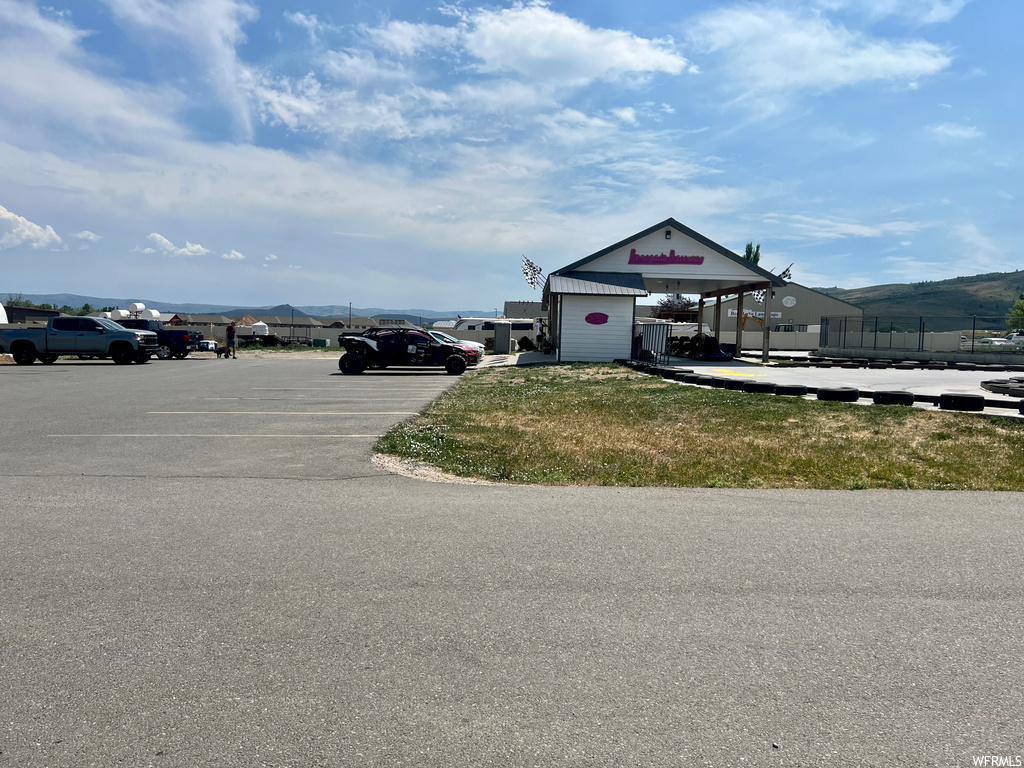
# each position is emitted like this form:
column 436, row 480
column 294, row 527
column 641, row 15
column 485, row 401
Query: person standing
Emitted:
column 232, row 342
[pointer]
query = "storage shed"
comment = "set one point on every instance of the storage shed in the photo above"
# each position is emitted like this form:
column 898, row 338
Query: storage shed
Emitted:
column 591, row 303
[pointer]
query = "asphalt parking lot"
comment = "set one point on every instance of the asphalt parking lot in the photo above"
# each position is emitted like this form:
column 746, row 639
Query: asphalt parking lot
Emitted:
column 201, row 568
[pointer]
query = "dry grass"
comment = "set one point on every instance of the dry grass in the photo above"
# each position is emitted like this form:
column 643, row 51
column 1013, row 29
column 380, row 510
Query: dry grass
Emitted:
column 605, row 425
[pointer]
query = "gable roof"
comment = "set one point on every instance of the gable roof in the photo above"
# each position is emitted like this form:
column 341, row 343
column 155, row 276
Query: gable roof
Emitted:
column 670, row 222
column 598, row 283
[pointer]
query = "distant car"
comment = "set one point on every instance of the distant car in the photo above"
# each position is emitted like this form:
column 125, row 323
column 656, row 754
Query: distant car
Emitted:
column 445, row 338
column 994, row 342
column 383, row 347
column 208, row 345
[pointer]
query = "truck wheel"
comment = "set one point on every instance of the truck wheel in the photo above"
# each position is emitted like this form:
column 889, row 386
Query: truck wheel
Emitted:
column 48, row 359
column 24, row 354
column 122, row 354
column 164, row 352
column 455, row 365
column 142, row 358
column 351, row 363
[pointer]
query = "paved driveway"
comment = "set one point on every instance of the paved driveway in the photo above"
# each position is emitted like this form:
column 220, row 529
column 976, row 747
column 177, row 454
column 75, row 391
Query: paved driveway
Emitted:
column 200, row 568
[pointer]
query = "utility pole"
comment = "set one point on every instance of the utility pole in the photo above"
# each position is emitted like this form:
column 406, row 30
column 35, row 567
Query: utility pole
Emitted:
column 350, row 314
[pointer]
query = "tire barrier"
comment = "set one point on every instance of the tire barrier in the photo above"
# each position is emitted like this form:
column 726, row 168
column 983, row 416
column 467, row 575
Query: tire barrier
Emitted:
column 759, row 387
column 791, row 390
column 736, row 384
column 718, row 382
column 704, row 381
column 956, row 402
column 840, row 394
column 893, row 398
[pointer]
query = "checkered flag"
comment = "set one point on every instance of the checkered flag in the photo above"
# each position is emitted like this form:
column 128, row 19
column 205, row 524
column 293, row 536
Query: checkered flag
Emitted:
column 758, row 296
column 531, row 272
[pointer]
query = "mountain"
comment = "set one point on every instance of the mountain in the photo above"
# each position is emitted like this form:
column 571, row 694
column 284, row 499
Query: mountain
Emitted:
column 990, row 296
column 281, row 310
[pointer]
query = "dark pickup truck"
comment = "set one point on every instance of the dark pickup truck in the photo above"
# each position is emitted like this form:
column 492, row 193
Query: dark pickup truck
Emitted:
column 172, row 342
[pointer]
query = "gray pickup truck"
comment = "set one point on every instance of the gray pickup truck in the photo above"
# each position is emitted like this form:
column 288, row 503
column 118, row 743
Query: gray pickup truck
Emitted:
column 82, row 336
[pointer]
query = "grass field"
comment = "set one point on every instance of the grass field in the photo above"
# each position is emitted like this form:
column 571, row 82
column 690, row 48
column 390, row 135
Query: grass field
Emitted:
column 606, row 425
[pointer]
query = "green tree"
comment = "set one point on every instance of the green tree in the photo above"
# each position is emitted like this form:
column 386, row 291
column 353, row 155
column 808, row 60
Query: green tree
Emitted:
column 752, row 254
column 17, row 301
column 1016, row 317
column 85, row 309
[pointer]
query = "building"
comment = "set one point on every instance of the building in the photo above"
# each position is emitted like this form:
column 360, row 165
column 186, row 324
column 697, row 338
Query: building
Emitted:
column 591, row 303
column 794, row 308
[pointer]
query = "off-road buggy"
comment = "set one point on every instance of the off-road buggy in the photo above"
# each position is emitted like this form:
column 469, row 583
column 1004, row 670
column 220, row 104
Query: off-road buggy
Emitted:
column 382, row 347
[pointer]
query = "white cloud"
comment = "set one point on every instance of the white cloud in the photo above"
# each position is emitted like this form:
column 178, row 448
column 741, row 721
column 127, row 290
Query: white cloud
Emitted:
column 625, row 115
column 545, row 46
column 773, row 50
column 270, row 257
column 406, row 39
column 211, row 30
column 309, row 22
column 88, row 236
column 917, row 11
column 806, row 227
column 233, row 255
column 165, row 246
column 17, row 230
column 982, row 251
column 955, row 131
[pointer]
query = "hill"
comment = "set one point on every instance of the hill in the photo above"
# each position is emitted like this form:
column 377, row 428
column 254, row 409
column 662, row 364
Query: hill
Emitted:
column 332, row 310
column 985, row 296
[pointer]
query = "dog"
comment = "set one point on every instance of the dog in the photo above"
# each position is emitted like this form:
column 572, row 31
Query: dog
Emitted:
column 224, row 352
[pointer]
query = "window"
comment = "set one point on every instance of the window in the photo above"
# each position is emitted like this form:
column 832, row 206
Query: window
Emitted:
column 65, row 323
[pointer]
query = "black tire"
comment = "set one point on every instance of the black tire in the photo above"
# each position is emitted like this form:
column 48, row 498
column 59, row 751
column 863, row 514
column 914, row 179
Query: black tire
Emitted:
column 759, row 387
column 455, row 365
column 164, row 352
column 735, row 384
column 893, row 398
column 957, row 402
column 791, row 390
column 719, row 382
column 181, row 355
column 839, row 394
column 122, row 354
column 142, row 358
column 24, row 354
column 48, row 359
column 351, row 363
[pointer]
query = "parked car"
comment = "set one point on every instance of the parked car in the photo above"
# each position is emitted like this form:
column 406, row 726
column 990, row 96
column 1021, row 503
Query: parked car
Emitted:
column 82, row 336
column 383, row 347
column 994, row 341
column 445, row 338
column 208, row 345
column 173, row 342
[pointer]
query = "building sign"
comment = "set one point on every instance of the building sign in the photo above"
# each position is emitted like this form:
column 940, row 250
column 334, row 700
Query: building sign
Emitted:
column 596, row 318
column 775, row 315
column 663, row 258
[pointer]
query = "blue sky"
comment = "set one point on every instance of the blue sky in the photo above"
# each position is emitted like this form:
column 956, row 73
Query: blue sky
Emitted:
column 408, row 154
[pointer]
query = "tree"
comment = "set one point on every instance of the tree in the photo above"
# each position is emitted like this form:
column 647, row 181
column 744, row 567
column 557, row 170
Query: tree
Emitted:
column 17, row 301
column 672, row 305
column 752, row 254
column 1016, row 317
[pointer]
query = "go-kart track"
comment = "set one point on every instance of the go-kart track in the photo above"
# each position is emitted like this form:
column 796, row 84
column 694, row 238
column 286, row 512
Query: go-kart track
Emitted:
column 202, row 567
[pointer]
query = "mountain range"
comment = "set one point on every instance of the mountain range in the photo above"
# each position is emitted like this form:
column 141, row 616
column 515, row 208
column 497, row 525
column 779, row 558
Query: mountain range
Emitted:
column 990, row 295
column 281, row 310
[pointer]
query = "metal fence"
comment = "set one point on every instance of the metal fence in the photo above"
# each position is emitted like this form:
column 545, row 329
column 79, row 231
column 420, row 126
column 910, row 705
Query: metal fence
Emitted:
column 966, row 334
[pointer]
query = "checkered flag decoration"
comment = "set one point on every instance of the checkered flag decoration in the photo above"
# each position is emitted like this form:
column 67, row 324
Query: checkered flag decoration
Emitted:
column 758, row 296
column 531, row 272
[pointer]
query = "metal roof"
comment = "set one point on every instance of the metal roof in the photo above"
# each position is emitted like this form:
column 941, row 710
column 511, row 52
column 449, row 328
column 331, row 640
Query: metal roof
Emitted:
column 598, row 283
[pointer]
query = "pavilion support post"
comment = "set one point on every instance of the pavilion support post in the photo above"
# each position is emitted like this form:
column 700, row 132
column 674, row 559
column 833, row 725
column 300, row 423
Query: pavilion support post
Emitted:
column 700, row 314
column 739, row 323
column 718, row 316
column 767, row 323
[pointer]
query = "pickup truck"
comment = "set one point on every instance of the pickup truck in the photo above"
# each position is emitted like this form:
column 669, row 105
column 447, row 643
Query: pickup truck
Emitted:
column 85, row 336
column 172, row 342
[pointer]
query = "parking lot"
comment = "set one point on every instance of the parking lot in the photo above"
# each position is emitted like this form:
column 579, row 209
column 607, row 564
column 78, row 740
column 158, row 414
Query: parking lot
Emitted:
column 202, row 568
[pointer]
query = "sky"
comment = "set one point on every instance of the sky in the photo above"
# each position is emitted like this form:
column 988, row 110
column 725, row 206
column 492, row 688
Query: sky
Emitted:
column 409, row 154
